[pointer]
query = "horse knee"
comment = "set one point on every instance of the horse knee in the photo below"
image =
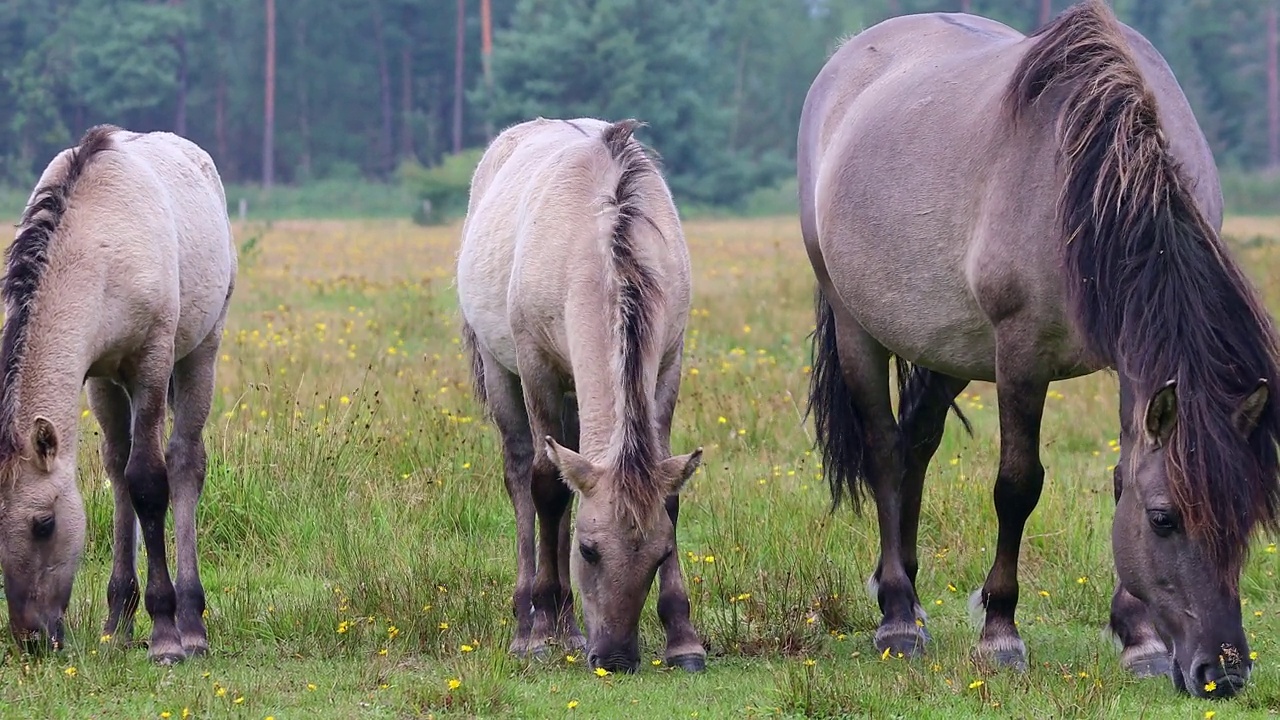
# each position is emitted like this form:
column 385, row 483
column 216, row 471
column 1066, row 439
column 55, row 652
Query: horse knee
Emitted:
column 1018, row 486
column 148, row 489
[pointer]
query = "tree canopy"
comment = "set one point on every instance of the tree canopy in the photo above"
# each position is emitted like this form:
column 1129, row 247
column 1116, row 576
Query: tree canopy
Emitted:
column 363, row 86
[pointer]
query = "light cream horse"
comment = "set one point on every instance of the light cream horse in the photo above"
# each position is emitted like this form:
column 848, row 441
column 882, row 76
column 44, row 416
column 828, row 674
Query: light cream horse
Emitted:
column 573, row 278
column 120, row 275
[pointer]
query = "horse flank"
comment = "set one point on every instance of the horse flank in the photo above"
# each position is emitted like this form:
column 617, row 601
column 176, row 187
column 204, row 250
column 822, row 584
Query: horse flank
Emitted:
column 637, row 293
column 1152, row 287
column 27, row 259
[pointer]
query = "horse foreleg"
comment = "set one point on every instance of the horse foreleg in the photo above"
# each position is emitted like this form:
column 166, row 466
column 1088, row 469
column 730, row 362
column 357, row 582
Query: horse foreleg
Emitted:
column 187, row 461
column 684, row 649
column 1017, row 491
column 505, row 405
column 1142, row 652
column 110, row 405
column 148, row 481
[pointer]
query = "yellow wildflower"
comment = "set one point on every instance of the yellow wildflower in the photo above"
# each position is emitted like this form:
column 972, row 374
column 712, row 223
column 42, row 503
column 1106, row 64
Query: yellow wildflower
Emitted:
column 601, row 672
column 572, row 704
column 454, row 684
column 466, row 648
column 1210, row 686
column 71, row 671
column 975, row 684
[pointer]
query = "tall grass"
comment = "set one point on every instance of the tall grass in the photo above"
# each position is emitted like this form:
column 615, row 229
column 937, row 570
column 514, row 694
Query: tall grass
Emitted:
column 357, row 543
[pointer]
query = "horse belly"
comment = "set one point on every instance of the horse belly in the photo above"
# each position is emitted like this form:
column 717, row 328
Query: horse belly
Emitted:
column 925, row 316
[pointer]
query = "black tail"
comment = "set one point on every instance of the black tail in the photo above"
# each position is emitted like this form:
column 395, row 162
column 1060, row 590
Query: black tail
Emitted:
column 918, row 386
column 839, row 427
column 836, row 421
column 477, row 363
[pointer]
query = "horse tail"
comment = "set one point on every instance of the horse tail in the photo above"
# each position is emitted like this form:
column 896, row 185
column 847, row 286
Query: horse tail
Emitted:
column 839, row 427
column 471, row 347
column 637, row 295
column 26, row 261
column 918, row 386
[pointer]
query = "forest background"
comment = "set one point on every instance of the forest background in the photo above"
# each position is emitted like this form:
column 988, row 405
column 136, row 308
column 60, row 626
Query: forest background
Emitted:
column 316, row 108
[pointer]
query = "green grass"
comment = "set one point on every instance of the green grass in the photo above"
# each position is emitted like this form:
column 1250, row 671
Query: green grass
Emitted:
column 354, row 487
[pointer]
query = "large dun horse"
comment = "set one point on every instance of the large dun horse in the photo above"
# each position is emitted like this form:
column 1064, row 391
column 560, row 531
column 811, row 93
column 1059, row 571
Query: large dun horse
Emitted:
column 982, row 205
column 573, row 278
column 119, row 276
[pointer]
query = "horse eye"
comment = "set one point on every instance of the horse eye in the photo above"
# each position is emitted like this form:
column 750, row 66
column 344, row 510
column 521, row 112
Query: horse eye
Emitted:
column 589, row 553
column 1162, row 522
column 42, row 527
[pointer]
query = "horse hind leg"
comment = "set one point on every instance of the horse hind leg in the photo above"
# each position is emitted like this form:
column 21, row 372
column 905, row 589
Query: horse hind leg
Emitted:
column 110, row 405
column 684, row 648
column 1021, row 391
column 924, row 398
column 191, row 389
column 504, row 402
column 849, row 396
column 146, row 475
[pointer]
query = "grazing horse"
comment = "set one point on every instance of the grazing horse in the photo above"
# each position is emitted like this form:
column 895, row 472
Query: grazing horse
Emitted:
column 573, row 278
column 982, row 205
column 119, row 277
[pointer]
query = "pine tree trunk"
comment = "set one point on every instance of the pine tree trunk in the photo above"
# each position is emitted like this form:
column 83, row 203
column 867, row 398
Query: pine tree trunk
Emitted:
column 269, row 114
column 386, row 136
column 180, row 113
column 458, row 88
column 486, row 53
column 304, row 101
column 1046, row 11
column 966, row 6
column 406, row 101
column 1273, row 84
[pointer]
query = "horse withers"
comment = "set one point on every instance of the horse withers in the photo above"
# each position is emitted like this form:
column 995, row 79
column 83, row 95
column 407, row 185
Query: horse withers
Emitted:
column 982, row 205
column 119, row 277
column 573, row 279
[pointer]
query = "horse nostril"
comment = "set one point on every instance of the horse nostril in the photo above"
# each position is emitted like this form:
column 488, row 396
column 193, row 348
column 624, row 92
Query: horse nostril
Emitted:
column 1215, row 681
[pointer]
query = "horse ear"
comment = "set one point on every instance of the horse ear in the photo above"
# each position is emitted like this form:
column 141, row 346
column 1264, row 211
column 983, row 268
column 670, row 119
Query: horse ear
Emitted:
column 576, row 470
column 679, row 469
column 1162, row 414
column 44, row 441
column 1250, row 412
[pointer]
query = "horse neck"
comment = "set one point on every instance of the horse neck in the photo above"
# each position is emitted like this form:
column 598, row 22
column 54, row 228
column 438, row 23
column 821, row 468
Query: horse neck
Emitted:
column 56, row 360
column 601, row 410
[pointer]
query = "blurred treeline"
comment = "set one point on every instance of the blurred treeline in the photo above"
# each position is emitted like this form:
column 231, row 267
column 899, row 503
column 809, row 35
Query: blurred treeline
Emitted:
column 300, row 92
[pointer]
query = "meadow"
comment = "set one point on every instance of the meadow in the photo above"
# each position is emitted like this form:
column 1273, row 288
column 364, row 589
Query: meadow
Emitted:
column 357, row 543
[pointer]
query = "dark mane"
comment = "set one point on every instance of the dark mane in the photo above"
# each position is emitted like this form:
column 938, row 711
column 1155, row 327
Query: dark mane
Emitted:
column 26, row 260
column 1151, row 285
column 638, row 294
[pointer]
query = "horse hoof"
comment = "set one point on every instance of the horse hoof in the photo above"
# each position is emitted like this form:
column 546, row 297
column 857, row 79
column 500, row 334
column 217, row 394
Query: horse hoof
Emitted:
column 167, row 658
column 196, row 649
column 693, row 663
column 1010, row 654
column 1149, row 667
column 902, row 640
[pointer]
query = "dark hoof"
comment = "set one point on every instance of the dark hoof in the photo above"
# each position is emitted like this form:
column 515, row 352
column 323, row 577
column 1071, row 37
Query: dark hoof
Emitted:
column 1150, row 666
column 196, row 650
column 902, row 642
column 690, row 663
column 1002, row 654
column 167, row 658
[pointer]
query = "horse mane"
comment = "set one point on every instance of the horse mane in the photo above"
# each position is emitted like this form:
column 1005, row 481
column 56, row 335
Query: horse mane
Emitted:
column 1151, row 285
column 27, row 258
column 638, row 293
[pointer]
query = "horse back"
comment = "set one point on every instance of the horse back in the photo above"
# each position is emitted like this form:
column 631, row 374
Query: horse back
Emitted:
column 154, row 213
column 535, row 243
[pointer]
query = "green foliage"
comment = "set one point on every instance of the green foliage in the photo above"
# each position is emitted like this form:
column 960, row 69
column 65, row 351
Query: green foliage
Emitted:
column 366, row 86
column 441, row 191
